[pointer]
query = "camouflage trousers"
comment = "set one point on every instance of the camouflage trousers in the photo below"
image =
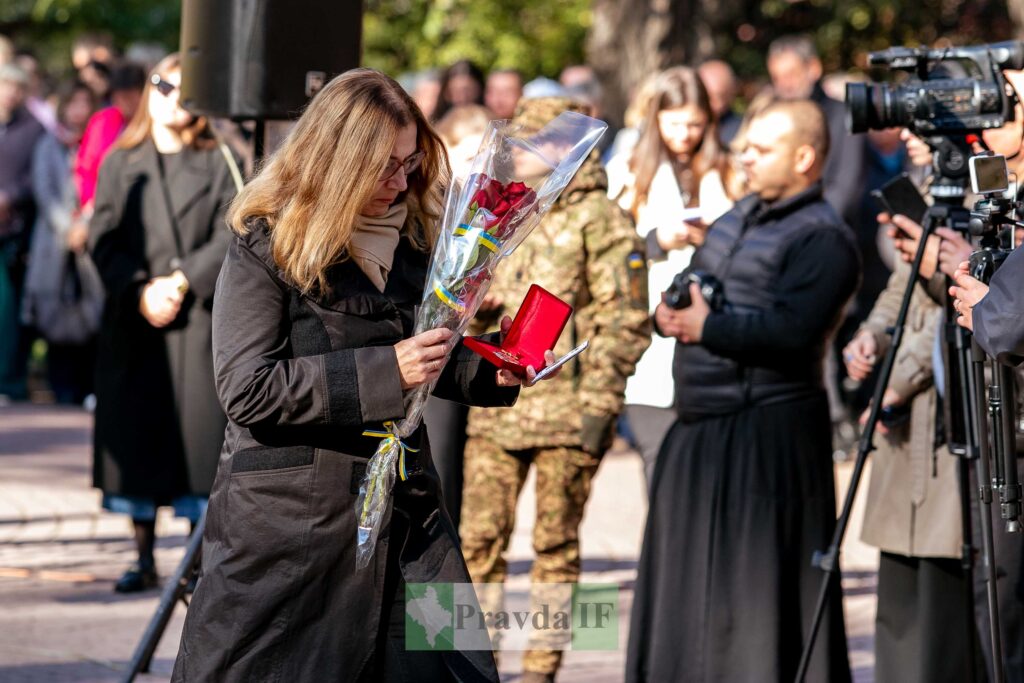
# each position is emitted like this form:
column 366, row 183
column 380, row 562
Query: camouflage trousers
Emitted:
column 493, row 479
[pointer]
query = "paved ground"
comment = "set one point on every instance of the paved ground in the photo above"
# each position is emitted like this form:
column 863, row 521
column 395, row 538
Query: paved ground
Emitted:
column 59, row 554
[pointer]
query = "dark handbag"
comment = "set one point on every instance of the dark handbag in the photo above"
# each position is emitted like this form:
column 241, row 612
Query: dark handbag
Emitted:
column 74, row 316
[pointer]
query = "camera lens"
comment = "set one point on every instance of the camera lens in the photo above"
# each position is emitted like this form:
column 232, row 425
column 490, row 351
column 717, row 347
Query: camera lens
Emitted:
column 857, row 106
column 874, row 106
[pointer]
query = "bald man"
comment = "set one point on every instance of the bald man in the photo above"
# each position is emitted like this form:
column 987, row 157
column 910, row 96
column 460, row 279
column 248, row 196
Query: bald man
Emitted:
column 743, row 492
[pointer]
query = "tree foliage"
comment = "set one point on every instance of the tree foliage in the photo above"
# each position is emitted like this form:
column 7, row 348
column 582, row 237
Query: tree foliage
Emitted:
column 48, row 27
column 628, row 39
column 534, row 36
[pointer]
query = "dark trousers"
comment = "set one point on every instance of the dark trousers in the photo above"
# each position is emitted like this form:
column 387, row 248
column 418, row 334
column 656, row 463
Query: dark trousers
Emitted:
column 15, row 338
column 924, row 628
column 446, row 427
column 71, row 369
column 392, row 662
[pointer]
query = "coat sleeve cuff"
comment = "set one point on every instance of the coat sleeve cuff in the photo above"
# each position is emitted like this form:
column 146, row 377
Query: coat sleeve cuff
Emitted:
column 380, row 384
column 365, row 383
column 716, row 331
column 470, row 380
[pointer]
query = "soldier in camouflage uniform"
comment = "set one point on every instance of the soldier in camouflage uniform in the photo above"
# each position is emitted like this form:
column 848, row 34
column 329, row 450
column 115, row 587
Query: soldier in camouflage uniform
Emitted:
column 587, row 253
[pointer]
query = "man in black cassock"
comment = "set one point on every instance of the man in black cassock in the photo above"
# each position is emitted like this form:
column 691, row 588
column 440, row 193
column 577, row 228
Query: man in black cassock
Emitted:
column 743, row 493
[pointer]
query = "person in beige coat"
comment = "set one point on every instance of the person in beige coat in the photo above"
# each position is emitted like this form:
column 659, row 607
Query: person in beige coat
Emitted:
column 924, row 630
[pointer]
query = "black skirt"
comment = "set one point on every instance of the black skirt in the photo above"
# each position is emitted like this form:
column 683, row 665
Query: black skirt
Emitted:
column 924, row 628
column 725, row 587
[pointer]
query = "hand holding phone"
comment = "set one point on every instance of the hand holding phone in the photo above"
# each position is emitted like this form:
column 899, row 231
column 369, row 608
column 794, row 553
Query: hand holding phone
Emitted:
column 901, row 196
column 546, row 372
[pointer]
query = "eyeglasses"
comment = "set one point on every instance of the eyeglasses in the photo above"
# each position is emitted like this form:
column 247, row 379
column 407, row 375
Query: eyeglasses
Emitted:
column 165, row 87
column 408, row 165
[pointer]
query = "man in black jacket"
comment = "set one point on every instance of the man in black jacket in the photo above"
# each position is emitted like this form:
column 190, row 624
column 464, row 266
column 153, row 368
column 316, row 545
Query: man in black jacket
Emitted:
column 743, row 490
column 796, row 71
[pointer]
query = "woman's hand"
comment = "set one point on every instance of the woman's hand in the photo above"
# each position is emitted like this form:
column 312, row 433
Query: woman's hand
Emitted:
column 77, row 236
column 507, row 378
column 684, row 234
column 860, row 355
column 421, row 358
column 160, row 302
column 890, row 398
column 672, row 236
column 953, row 251
column 917, row 149
column 905, row 235
column 696, row 231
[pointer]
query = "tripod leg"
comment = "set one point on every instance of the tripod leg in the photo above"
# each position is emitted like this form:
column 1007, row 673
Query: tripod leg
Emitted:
column 976, row 384
column 173, row 591
column 1010, row 494
column 967, row 561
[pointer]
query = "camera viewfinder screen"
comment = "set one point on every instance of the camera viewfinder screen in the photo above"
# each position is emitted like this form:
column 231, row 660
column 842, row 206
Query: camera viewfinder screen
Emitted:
column 988, row 174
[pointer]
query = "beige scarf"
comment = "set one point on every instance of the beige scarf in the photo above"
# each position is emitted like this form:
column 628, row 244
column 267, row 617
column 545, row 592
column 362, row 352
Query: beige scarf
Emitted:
column 374, row 241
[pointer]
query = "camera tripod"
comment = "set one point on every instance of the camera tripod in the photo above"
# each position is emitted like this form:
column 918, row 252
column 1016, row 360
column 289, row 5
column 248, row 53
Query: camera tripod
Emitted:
column 969, row 361
column 174, row 591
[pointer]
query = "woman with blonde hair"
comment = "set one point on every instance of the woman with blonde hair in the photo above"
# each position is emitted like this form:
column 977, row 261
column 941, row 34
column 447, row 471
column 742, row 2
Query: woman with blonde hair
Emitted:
column 673, row 183
column 157, row 238
column 313, row 346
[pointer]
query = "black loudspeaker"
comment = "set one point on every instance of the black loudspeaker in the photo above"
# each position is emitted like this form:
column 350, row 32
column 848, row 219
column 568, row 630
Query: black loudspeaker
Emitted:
column 264, row 59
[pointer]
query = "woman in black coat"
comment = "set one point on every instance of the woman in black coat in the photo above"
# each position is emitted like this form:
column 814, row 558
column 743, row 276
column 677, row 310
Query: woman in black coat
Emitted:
column 313, row 346
column 158, row 238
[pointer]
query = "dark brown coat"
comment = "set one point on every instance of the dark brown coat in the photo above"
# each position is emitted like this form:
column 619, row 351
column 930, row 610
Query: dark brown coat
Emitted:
column 159, row 427
column 301, row 378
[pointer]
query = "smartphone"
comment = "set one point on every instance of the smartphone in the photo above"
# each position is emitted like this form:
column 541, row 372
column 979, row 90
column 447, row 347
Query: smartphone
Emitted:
column 693, row 214
column 563, row 360
column 989, row 174
column 901, row 196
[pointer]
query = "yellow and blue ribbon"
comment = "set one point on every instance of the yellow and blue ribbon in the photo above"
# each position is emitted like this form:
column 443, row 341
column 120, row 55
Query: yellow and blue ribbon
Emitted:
column 389, row 438
column 488, row 241
column 444, row 295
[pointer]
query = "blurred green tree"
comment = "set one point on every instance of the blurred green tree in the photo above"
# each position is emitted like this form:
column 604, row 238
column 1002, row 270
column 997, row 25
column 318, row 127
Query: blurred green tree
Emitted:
column 624, row 39
column 48, row 27
column 535, row 36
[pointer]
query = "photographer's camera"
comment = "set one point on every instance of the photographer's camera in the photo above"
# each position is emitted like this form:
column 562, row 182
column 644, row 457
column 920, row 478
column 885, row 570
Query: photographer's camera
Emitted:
column 677, row 296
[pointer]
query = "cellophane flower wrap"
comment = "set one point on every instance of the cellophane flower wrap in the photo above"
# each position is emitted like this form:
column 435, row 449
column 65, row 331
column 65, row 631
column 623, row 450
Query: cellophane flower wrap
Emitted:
column 511, row 184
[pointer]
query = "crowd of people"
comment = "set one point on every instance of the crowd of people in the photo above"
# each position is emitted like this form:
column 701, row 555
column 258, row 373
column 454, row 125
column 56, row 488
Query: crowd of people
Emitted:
column 236, row 341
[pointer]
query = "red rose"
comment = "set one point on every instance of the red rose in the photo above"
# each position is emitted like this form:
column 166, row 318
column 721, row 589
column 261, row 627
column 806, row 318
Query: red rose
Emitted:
column 499, row 200
column 524, row 197
column 516, row 189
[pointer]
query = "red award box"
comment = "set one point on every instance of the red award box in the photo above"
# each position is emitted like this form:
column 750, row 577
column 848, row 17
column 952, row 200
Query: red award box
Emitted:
column 536, row 328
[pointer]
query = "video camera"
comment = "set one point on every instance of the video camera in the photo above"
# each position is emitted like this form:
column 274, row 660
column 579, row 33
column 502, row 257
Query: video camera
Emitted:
column 950, row 91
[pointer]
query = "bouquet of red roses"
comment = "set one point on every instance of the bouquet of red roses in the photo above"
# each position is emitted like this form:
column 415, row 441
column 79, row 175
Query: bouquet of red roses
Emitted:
column 512, row 183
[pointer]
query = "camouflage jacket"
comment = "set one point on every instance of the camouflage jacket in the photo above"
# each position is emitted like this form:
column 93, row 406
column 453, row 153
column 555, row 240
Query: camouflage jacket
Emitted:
column 587, row 253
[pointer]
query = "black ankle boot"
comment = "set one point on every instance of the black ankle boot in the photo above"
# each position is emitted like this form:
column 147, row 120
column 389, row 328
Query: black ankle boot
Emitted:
column 141, row 577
